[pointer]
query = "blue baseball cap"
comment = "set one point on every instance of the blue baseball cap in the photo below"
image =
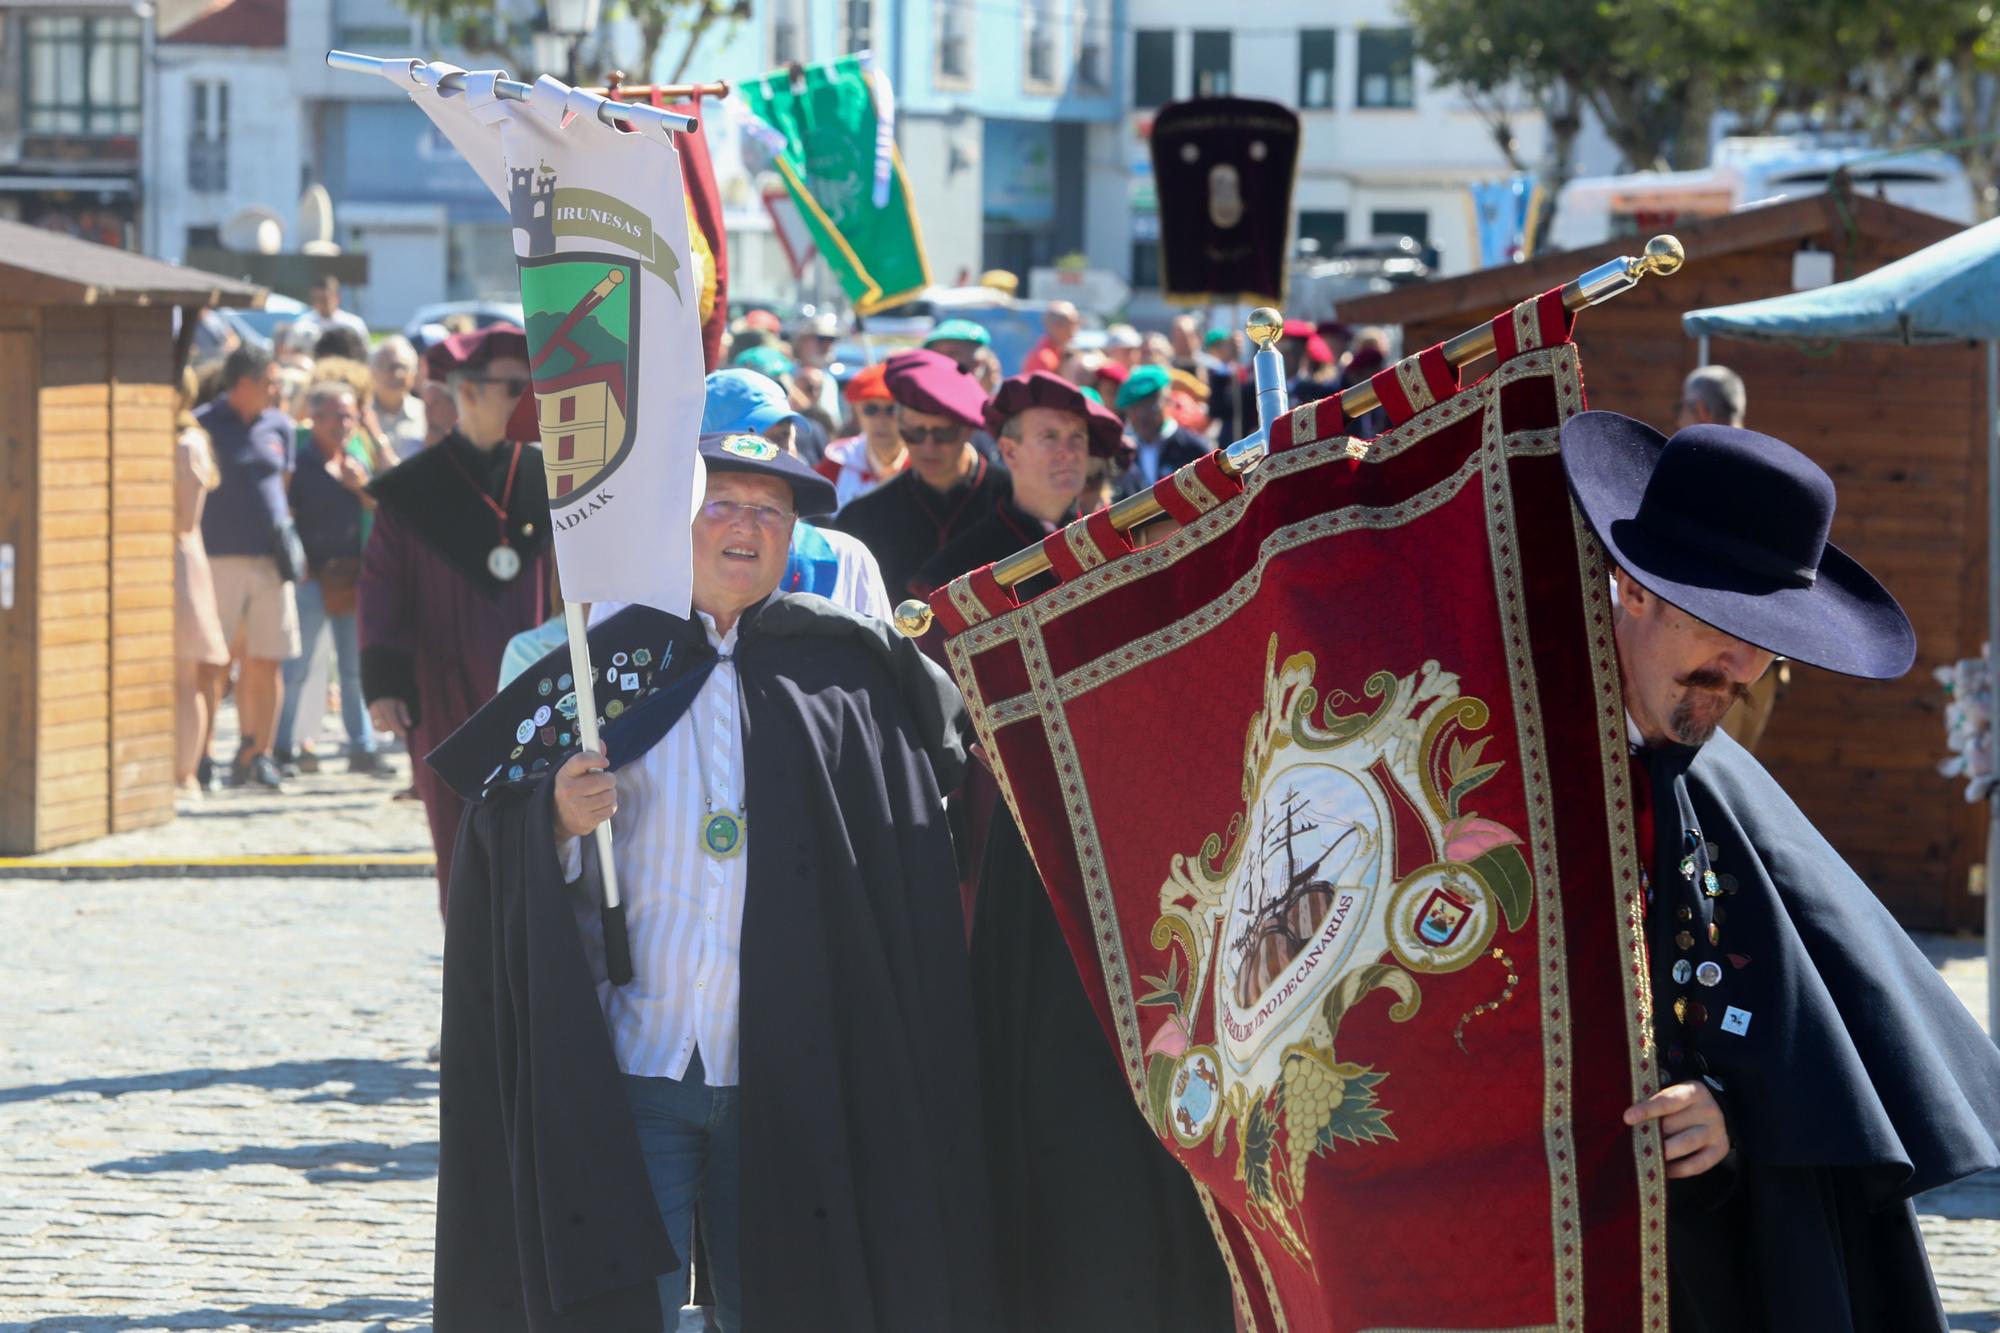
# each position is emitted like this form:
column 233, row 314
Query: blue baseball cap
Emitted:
column 743, row 402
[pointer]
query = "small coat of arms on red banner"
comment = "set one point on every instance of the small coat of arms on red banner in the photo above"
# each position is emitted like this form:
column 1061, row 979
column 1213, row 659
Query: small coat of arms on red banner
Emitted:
column 1366, row 957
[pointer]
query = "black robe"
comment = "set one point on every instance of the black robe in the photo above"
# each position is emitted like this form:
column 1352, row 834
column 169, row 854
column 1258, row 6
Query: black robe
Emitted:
column 1005, row 529
column 1098, row 1227
column 1852, row 1079
column 865, row 1207
column 904, row 522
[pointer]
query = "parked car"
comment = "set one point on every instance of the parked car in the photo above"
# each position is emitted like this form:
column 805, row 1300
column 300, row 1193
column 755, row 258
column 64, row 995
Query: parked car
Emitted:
column 1015, row 326
column 484, row 314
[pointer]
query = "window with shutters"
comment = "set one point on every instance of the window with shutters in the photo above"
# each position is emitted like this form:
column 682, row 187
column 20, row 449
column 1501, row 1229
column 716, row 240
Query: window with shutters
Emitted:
column 208, row 136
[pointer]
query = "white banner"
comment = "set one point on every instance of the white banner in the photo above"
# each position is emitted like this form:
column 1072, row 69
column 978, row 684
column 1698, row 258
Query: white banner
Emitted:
column 614, row 334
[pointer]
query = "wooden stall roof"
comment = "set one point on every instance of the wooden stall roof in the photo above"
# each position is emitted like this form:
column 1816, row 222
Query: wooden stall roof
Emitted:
column 1487, row 292
column 42, row 267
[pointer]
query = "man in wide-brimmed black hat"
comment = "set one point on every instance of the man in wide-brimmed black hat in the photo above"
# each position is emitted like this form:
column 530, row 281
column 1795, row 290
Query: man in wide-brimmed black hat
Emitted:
column 1818, row 1073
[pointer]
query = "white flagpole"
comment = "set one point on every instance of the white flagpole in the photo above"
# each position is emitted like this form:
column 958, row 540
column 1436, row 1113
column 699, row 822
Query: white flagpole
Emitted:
column 617, row 947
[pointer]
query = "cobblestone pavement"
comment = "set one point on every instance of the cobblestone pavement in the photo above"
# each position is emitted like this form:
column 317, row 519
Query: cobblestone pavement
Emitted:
column 215, row 1112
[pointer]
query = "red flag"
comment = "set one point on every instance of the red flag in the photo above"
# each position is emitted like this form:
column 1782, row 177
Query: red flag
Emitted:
column 1330, row 792
column 708, row 241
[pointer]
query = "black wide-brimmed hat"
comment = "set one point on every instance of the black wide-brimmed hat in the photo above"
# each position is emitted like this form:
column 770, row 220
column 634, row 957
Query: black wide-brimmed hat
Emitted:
column 1730, row 526
column 726, row 451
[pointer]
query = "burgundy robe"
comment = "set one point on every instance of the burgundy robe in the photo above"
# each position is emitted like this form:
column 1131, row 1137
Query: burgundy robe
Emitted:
column 434, row 622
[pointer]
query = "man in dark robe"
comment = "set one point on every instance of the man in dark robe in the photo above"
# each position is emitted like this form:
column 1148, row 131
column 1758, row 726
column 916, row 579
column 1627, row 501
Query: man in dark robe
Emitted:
column 456, row 566
column 1817, row 1072
column 946, row 488
column 803, row 1078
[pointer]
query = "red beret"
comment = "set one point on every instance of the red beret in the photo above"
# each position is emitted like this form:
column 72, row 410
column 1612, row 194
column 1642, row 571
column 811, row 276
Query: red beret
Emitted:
column 927, row 381
column 1041, row 389
column 1298, row 328
column 1115, row 371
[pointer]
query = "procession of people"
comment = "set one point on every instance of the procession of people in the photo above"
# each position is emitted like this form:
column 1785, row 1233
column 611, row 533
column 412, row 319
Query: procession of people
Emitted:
column 854, row 1082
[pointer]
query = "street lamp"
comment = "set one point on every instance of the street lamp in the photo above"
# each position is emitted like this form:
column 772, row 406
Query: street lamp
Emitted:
column 567, row 23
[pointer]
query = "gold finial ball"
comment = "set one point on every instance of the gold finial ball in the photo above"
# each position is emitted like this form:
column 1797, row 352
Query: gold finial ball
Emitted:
column 1265, row 326
column 1664, row 256
column 913, row 618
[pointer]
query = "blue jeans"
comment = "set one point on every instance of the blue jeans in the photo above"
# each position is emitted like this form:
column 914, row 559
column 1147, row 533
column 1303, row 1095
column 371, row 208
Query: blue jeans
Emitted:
column 347, row 656
column 692, row 1135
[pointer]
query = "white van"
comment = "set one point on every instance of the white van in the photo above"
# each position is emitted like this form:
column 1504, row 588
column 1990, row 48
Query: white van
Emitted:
column 1749, row 171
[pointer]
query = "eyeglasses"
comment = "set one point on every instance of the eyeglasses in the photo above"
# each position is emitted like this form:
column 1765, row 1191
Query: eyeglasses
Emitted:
column 726, row 511
column 515, row 386
column 877, row 409
column 932, row 434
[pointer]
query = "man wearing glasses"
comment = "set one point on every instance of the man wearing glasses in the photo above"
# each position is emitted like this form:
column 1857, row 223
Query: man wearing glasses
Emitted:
column 947, row 486
column 792, row 1061
column 456, row 566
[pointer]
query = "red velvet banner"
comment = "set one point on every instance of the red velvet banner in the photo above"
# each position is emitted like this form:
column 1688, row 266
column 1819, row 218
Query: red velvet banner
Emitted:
column 1330, row 791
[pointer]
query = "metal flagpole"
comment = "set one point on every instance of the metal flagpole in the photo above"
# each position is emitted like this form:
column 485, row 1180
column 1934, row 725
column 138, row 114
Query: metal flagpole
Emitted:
column 1993, row 651
column 629, row 115
column 617, row 946
column 1663, row 256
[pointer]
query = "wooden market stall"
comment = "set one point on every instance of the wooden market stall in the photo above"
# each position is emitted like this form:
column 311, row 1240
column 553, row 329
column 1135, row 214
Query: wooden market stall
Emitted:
column 88, row 376
column 1902, row 433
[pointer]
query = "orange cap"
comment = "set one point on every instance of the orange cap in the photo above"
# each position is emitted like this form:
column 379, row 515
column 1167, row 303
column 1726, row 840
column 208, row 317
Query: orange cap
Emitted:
column 867, row 383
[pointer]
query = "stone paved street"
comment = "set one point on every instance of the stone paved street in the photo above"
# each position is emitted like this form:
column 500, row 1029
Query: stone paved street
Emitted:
column 215, row 1111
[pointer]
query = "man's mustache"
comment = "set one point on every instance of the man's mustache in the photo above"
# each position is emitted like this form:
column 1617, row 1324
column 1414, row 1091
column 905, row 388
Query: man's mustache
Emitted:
column 1714, row 680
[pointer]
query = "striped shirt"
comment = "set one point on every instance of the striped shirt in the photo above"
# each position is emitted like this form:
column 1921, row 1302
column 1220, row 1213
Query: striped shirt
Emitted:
column 683, row 907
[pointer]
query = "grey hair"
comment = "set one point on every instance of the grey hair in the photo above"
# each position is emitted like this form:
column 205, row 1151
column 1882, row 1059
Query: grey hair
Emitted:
column 1721, row 391
column 394, row 350
column 326, row 391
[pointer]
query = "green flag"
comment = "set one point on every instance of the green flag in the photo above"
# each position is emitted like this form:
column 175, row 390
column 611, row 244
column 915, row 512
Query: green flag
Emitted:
column 838, row 156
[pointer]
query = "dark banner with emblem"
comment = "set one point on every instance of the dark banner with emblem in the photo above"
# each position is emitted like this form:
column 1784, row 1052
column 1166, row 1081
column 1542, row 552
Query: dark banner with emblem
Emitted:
column 1223, row 167
column 1365, row 959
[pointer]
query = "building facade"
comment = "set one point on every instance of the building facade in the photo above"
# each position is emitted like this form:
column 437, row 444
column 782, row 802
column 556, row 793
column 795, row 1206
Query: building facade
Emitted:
column 73, row 93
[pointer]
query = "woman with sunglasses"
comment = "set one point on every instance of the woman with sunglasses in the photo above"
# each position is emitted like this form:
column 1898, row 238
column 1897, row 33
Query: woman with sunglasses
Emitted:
column 859, row 463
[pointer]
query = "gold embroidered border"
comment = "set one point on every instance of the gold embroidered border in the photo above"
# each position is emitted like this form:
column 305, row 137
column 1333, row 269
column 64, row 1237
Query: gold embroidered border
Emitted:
column 1415, row 387
column 1280, row 1322
column 1244, row 1310
column 1217, row 515
column 1083, row 546
column 1558, row 1136
column 967, row 602
column 1194, row 490
column 982, row 727
column 1305, row 422
column 1528, row 325
column 1635, row 964
column 1089, row 855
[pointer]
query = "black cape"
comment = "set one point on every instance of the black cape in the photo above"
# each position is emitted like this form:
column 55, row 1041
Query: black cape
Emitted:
column 904, row 522
column 1005, row 529
column 864, row 1204
column 1851, row 1077
column 431, row 496
column 1098, row 1227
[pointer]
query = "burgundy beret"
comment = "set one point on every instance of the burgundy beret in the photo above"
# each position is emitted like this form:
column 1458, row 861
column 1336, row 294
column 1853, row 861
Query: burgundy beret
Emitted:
column 474, row 348
column 1039, row 388
column 927, row 381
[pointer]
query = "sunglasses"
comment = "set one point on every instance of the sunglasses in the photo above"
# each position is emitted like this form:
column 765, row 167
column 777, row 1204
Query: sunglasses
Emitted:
column 764, row 516
column 877, row 409
column 932, row 434
column 515, row 386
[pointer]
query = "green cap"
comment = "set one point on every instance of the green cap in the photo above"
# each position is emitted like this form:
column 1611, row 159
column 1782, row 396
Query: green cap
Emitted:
column 959, row 330
column 765, row 361
column 1092, row 394
column 1141, row 384
column 1214, row 336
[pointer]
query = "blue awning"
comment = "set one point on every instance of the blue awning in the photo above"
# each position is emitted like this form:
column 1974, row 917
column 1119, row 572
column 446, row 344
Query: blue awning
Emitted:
column 1942, row 293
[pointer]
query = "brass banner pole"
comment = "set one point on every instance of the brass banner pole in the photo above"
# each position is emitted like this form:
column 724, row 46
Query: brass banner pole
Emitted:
column 1663, row 256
